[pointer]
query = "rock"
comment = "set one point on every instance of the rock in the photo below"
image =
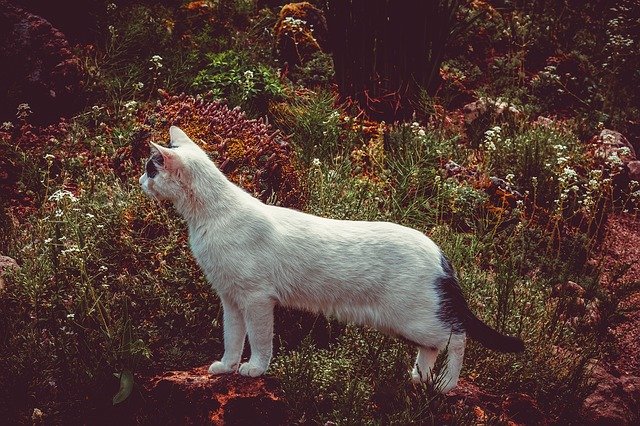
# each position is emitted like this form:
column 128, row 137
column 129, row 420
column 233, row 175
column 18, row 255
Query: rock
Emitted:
column 501, row 193
column 80, row 25
column 568, row 289
column 474, row 110
column 544, row 121
column 6, row 263
column 452, row 168
column 38, row 67
column 634, row 170
column 301, row 31
column 480, row 115
column 471, row 394
column 197, row 397
column 523, row 409
column 614, row 401
column 609, row 143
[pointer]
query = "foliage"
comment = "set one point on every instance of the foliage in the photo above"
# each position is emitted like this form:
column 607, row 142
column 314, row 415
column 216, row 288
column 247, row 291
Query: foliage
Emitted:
column 104, row 286
column 232, row 76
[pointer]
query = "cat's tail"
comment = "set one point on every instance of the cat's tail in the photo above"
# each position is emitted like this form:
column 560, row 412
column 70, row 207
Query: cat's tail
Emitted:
column 490, row 338
column 455, row 311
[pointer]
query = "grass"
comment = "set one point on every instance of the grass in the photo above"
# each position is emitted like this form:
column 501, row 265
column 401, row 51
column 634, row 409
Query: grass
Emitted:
column 107, row 284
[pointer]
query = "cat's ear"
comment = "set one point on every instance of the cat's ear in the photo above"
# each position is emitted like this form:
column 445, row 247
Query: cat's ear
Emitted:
column 170, row 160
column 177, row 137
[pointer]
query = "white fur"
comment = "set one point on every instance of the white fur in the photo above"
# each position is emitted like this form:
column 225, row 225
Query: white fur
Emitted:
column 256, row 256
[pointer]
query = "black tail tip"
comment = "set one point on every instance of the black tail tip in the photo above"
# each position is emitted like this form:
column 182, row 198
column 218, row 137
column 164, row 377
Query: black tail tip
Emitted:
column 513, row 344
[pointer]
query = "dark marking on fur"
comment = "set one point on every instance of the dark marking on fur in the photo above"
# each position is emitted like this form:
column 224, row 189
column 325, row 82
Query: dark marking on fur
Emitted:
column 455, row 312
column 152, row 163
column 452, row 303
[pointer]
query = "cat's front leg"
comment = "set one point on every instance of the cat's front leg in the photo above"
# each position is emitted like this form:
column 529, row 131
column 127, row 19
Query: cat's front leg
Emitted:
column 259, row 322
column 234, row 336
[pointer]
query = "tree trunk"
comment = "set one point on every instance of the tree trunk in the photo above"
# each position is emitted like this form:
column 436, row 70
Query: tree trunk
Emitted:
column 386, row 51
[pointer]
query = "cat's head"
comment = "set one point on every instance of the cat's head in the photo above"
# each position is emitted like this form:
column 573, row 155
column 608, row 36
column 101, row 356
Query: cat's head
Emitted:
column 169, row 170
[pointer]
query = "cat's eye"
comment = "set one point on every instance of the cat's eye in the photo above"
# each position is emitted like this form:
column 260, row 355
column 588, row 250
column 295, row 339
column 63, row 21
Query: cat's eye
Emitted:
column 151, row 169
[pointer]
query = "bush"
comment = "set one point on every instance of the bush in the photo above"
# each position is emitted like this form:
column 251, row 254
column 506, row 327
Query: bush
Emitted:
column 231, row 75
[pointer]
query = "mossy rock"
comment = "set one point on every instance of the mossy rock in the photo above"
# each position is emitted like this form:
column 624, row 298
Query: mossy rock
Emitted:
column 301, row 31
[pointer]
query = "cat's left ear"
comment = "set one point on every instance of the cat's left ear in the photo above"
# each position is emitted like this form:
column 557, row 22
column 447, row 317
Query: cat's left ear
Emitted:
column 170, row 160
column 178, row 137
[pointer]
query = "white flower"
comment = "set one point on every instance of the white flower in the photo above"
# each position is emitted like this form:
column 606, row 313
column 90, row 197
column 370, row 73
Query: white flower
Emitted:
column 49, row 157
column 130, row 105
column 61, row 194
column 248, row 74
column 7, row 125
column 59, row 213
column 72, row 249
column 315, row 162
column 156, row 61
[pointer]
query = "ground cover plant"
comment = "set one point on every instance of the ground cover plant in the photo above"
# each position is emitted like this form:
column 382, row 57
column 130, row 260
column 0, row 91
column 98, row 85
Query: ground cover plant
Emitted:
column 513, row 187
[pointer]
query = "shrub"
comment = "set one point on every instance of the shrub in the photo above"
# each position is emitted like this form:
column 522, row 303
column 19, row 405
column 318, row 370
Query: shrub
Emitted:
column 231, row 75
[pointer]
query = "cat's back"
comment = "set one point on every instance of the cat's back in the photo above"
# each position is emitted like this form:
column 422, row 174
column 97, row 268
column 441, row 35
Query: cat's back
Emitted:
column 348, row 235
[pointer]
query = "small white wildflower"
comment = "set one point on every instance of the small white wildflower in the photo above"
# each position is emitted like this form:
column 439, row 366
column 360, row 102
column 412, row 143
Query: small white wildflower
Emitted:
column 24, row 111
column 624, row 151
column 61, row 194
column 315, row 162
column 614, row 160
column 248, row 74
column 71, row 316
column 7, row 125
column 48, row 240
column 156, row 62
column 111, row 7
column 59, row 213
column 130, row 105
column 73, row 249
column 509, row 177
column 49, row 157
column 422, row 133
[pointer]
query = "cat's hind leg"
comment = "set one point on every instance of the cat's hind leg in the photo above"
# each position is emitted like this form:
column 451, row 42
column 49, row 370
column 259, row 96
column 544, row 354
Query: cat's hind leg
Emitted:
column 455, row 356
column 423, row 367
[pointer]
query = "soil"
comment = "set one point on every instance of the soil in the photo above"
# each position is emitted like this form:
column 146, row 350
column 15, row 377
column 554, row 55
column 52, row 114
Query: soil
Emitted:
column 621, row 249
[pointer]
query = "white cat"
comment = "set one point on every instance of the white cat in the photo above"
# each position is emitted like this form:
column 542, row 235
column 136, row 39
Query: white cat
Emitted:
column 255, row 256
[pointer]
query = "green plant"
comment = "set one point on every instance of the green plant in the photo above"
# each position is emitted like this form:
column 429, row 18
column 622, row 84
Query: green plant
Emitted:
column 232, row 76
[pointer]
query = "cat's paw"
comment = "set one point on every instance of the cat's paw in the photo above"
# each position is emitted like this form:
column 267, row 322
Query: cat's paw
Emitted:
column 418, row 376
column 219, row 367
column 251, row 370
